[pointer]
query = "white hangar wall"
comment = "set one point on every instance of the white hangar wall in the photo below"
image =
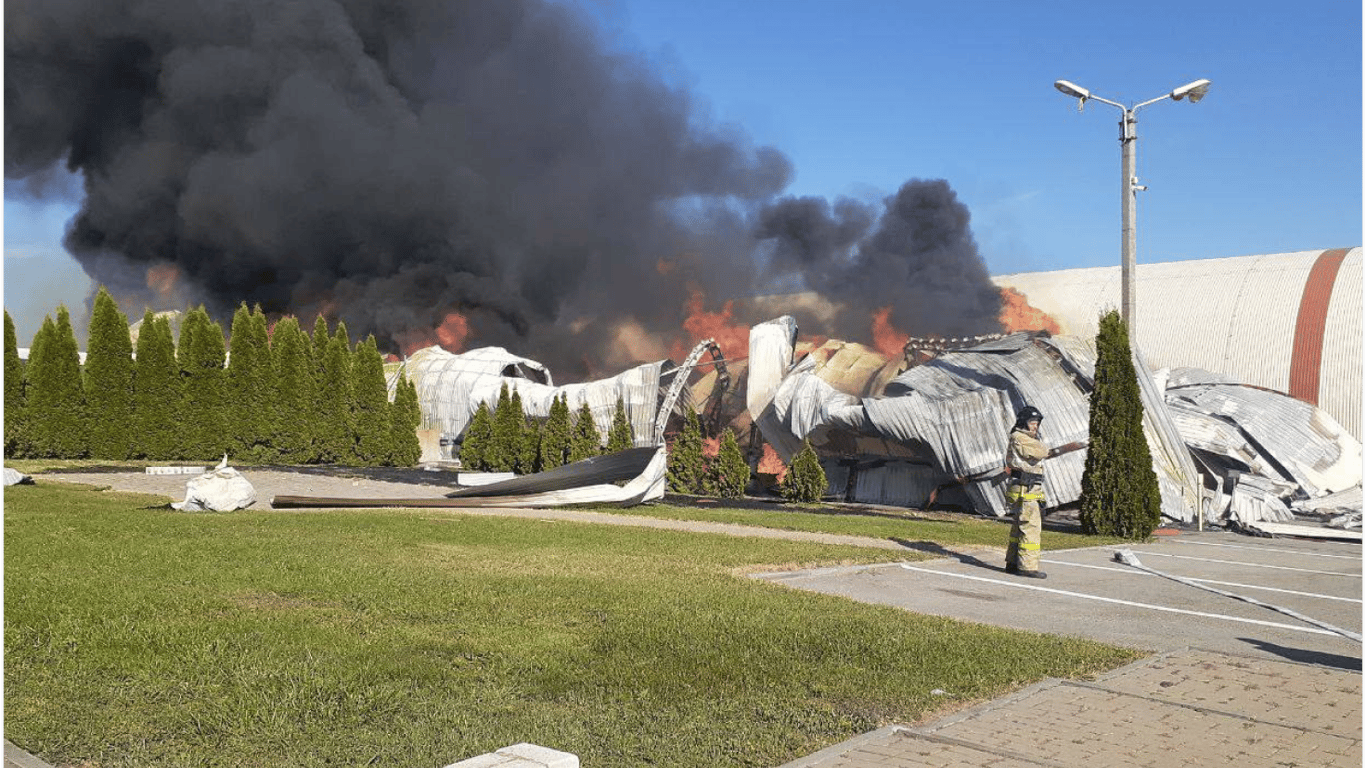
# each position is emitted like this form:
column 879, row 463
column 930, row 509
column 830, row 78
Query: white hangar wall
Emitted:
column 1289, row 321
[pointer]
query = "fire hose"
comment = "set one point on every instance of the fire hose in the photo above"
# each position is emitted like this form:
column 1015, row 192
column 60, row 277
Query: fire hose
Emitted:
column 1127, row 557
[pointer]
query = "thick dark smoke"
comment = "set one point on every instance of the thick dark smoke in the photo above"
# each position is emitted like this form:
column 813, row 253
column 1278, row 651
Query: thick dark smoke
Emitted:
column 389, row 162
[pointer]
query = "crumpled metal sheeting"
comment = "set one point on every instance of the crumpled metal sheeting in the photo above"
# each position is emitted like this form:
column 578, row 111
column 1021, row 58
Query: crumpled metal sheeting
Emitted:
column 964, row 431
column 1319, row 455
column 898, row 483
column 1216, row 435
column 803, row 402
column 1257, row 499
column 771, row 346
column 1342, row 502
column 451, row 387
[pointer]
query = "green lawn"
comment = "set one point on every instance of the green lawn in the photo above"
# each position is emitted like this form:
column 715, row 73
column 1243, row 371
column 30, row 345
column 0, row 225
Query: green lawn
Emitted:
column 139, row 636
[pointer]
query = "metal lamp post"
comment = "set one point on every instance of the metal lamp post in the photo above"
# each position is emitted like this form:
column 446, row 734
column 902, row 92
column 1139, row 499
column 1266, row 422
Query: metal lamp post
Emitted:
column 1129, row 186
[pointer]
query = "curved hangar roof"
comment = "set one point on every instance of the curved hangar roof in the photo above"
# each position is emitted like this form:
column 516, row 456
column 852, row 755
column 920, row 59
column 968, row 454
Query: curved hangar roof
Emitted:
column 1289, row 321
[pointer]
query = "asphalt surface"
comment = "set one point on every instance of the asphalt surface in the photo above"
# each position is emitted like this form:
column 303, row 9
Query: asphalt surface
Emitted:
column 1087, row 594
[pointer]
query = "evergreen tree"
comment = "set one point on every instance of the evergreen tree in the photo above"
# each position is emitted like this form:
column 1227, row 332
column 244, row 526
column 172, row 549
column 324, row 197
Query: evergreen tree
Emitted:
column 474, row 448
column 203, row 418
column 371, row 414
column 728, row 473
column 250, row 387
column 16, row 437
column 587, row 441
column 294, row 433
column 506, row 442
column 555, row 436
column 1119, row 492
column 337, row 397
column 620, row 437
column 529, row 454
column 687, row 466
column 57, row 400
column 805, row 480
column 157, row 390
column 405, row 416
column 109, row 380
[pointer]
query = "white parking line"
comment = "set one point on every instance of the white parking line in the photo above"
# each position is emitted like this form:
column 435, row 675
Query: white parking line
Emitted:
column 1264, row 549
column 1147, row 552
column 1084, row 596
column 1133, row 572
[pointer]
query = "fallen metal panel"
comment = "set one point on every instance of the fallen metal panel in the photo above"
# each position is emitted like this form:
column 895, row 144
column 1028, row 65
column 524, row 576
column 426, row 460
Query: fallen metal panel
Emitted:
column 623, row 465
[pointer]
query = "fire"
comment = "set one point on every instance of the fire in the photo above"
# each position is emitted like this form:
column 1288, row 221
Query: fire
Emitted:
column 887, row 339
column 711, row 446
column 1018, row 315
column 162, row 279
column 770, row 464
column 450, row 335
column 731, row 337
column 453, row 331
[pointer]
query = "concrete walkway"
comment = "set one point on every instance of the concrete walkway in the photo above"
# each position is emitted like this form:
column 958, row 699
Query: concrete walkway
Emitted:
column 1180, row 708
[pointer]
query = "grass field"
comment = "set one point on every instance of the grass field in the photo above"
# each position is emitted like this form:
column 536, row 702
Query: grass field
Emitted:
column 138, row 636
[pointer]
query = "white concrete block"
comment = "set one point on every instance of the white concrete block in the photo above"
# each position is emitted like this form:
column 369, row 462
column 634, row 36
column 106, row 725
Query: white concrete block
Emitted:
column 521, row 756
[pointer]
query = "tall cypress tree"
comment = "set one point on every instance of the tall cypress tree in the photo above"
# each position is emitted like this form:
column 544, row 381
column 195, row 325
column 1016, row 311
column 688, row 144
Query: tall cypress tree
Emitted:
column 1119, row 492
column 250, row 385
column 529, row 456
column 16, row 437
column 157, row 392
column 371, row 414
column 686, row 463
column 555, row 436
column 295, row 431
column 57, row 402
column 474, row 447
column 587, row 441
column 620, row 437
column 337, row 397
column 201, row 354
column 109, row 380
column 507, row 434
column 728, row 473
column 405, row 416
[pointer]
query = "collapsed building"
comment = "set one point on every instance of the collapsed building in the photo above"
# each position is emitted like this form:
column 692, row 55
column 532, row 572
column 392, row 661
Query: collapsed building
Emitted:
column 1230, row 444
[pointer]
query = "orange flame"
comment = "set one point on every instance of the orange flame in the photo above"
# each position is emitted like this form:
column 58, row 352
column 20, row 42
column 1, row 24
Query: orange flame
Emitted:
column 1018, row 315
column 731, row 337
column 887, row 338
column 162, row 279
column 450, row 335
column 770, row 464
column 711, row 446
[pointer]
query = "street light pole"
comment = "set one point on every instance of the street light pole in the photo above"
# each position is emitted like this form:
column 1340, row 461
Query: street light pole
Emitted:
column 1129, row 186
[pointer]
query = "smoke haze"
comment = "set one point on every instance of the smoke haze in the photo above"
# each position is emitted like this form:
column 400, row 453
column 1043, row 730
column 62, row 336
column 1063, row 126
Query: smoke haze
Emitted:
column 391, row 162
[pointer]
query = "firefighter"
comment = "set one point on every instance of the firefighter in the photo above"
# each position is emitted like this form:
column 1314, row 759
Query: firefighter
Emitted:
column 1024, row 490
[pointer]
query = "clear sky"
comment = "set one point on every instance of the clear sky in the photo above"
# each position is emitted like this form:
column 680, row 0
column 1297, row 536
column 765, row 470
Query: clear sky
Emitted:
column 863, row 95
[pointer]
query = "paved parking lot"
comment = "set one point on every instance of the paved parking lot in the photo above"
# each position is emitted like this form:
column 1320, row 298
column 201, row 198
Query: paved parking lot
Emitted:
column 1088, row 594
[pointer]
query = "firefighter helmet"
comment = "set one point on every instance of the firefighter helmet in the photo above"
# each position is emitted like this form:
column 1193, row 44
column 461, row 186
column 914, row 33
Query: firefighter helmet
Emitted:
column 1027, row 414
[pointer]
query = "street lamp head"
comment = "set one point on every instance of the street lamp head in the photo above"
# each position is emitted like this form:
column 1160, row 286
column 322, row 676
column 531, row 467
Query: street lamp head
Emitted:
column 1194, row 91
column 1074, row 90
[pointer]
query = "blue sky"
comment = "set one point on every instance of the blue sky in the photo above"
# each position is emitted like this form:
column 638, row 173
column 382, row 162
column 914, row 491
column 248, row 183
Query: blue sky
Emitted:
column 864, row 95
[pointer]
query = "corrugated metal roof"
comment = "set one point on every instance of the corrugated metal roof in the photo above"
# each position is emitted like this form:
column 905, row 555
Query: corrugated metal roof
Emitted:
column 1340, row 364
column 1236, row 315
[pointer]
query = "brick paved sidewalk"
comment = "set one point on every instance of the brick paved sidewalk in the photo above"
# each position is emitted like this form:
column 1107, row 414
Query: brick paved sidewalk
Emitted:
column 1188, row 707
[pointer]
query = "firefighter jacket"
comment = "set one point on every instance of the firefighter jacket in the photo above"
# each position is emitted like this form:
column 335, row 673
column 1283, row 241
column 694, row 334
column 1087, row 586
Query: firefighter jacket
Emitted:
column 1026, row 467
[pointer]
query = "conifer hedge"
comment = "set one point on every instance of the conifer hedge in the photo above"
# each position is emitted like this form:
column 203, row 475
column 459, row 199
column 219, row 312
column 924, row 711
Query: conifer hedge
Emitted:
column 586, row 441
column 621, row 436
column 157, row 391
column 555, row 436
column 57, row 400
column 16, row 438
column 109, row 380
column 294, row 433
column 1119, row 492
column 405, row 416
column 728, row 473
column 371, row 413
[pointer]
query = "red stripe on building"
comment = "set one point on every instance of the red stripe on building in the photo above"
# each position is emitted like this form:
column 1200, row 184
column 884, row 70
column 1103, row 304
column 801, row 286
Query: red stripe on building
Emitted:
column 1307, row 356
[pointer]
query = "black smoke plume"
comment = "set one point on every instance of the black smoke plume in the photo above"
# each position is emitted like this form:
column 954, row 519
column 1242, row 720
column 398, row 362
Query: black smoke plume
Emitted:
column 389, row 162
